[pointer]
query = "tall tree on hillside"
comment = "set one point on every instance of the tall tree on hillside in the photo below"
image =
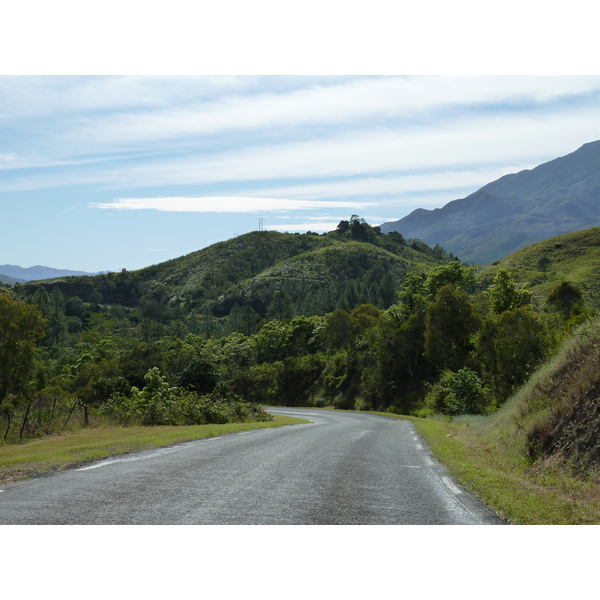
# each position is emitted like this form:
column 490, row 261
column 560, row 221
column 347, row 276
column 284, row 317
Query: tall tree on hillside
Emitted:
column 454, row 273
column 450, row 324
column 519, row 345
column 567, row 299
column 338, row 330
column 543, row 264
column 57, row 321
column 505, row 295
column 52, row 307
column 21, row 325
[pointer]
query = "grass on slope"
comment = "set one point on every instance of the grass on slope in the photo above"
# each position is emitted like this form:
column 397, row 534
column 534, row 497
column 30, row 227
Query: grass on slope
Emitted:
column 518, row 493
column 58, row 452
column 535, row 461
column 574, row 257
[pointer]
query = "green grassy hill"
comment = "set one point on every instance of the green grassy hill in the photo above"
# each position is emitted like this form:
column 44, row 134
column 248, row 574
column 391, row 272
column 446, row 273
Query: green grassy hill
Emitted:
column 314, row 273
column 572, row 257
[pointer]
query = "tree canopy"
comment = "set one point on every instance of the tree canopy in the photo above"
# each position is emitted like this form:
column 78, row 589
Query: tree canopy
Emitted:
column 21, row 326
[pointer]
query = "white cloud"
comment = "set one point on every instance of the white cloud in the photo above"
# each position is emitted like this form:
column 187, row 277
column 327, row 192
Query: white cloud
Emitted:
column 457, row 156
column 27, row 97
column 458, row 182
column 108, row 115
column 472, row 143
column 458, row 153
column 314, row 226
column 224, row 204
column 320, row 104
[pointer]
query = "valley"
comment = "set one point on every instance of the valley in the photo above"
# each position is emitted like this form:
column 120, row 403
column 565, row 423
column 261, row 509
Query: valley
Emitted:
column 355, row 319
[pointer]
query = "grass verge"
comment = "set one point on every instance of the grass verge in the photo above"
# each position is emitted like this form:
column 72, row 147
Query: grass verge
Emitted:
column 519, row 494
column 59, row 452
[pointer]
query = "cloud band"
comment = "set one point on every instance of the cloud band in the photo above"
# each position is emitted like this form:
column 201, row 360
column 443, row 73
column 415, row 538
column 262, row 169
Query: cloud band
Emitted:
column 226, row 204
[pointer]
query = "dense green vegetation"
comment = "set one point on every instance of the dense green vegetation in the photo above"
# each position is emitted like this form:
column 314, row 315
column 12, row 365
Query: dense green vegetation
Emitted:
column 206, row 338
column 352, row 319
column 264, row 273
column 572, row 257
column 536, row 459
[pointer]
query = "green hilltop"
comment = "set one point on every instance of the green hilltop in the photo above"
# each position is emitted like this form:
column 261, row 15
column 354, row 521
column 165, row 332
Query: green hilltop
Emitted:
column 311, row 273
column 570, row 257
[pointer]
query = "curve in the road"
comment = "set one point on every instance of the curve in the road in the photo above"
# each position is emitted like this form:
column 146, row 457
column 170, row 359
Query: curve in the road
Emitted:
column 343, row 468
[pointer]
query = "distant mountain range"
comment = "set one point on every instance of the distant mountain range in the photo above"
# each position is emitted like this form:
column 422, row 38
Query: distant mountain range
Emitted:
column 515, row 211
column 14, row 274
column 511, row 213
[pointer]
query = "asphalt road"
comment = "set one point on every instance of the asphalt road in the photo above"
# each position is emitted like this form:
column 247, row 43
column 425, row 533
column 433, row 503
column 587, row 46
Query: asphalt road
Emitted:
column 343, row 468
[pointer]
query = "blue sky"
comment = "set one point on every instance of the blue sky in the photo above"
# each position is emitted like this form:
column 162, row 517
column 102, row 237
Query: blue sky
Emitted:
column 111, row 172
column 136, row 134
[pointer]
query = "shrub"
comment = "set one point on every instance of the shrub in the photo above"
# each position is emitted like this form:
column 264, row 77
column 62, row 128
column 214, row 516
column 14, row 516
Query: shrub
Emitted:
column 459, row 392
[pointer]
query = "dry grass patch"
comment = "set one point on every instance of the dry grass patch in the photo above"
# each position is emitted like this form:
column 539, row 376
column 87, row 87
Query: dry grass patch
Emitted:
column 58, row 452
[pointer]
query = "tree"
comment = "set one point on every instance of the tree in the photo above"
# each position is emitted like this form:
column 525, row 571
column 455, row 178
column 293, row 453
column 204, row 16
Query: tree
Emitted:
column 454, row 273
column 567, row 299
column 243, row 319
column 199, row 375
column 543, row 264
column 52, row 307
column 270, row 341
column 459, row 393
column 412, row 294
column 509, row 347
column 303, row 336
column 57, row 322
column 505, row 295
column 363, row 318
column 395, row 344
column 281, row 307
column 360, row 229
column 21, row 325
column 338, row 329
column 450, row 324
column 343, row 227
column 152, row 403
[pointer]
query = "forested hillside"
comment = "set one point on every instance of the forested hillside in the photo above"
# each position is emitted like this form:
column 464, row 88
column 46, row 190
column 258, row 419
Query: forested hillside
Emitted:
column 264, row 274
column 350, row 319
column 206, row 337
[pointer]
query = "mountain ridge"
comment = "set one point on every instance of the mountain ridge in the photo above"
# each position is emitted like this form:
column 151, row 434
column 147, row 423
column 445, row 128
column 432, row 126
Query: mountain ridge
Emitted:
column 39, row 272
column 514, row 211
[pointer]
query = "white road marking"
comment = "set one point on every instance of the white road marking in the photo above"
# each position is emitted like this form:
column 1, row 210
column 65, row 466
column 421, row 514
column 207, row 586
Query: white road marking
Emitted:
column 111, row 461
column 448, row 483
column 295, row 412
column 418, row 447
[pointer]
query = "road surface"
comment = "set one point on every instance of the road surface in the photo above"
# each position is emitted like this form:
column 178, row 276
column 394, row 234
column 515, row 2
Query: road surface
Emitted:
column 343, row 468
